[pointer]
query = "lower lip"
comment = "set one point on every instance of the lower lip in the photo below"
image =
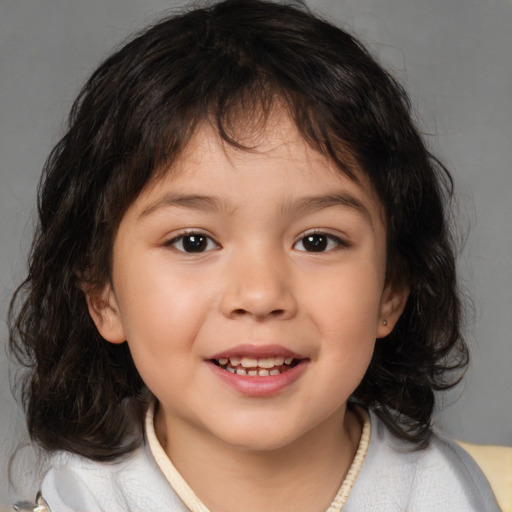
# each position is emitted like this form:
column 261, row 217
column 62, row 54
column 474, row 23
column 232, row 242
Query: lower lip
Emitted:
column 260, row 386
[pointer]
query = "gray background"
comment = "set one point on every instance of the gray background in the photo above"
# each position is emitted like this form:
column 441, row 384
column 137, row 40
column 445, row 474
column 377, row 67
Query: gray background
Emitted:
column 454, row 56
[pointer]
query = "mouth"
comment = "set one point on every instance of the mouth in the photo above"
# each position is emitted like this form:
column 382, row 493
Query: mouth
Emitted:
column 256, row 367
column 258, row 370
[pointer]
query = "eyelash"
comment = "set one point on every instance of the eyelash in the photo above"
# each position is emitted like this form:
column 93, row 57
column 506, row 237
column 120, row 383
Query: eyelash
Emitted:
column 190, row 234
column 328, row 239
column 204, row 242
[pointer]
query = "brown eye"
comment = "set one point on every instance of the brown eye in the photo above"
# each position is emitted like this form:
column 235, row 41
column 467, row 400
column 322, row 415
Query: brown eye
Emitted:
column 314, row 243
column 318, row 242
column 193, row 243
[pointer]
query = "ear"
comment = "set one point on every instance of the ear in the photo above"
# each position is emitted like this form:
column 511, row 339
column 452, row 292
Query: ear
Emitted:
column 104, row 311
column 392, row 305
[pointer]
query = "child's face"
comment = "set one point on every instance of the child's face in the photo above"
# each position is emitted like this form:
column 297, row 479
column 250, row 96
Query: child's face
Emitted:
column 270, row 255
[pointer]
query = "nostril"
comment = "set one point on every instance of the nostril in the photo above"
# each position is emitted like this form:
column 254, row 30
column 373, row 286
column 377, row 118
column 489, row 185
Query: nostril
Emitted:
column 273, row 313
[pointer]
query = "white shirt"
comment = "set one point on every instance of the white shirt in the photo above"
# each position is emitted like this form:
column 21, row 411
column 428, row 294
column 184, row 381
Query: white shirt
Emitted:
column 386, row 477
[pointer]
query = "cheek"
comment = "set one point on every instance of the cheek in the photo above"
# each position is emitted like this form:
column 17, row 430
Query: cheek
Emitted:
column 160, row 307
column 161, row 326
column 348, row 300
column 346, row 316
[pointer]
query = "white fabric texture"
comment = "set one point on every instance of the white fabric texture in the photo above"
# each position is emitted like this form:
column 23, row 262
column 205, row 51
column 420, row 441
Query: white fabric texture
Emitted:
column 392, row 478
column 194, row 504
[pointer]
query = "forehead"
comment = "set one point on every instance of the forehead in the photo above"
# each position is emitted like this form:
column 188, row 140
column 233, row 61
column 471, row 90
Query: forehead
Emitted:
column 273, row 161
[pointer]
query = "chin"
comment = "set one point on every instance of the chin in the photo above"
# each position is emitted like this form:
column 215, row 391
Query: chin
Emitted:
column 257, row 436
column 256, row 442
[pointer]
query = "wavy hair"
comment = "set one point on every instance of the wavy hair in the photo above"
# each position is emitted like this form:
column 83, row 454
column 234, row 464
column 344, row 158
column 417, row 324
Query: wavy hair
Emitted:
column 228, row 63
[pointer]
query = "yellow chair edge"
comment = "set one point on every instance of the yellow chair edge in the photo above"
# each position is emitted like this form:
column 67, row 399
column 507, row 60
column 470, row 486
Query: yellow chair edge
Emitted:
column 496, row 464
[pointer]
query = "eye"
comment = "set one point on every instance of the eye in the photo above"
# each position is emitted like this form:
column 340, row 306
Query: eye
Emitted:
column 193, row 243
column 318, row 242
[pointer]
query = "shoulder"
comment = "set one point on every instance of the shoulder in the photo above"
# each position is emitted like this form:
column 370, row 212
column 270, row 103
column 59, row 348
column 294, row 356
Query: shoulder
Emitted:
column 447, row 472
column 441, row 477
column 75, row 483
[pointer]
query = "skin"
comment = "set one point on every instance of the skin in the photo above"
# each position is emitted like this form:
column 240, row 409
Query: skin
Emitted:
column 256, row 282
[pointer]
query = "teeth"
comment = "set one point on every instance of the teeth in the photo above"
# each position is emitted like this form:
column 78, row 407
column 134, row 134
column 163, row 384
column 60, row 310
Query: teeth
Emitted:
column 252, row 366
column 267, row 362
column 249, row 362
column 252, row 362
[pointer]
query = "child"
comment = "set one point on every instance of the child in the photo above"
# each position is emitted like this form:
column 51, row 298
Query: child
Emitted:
column 242, row 289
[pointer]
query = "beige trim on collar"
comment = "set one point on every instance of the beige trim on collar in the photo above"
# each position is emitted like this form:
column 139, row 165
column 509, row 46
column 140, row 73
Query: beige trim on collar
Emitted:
column 194, row 504
column 182, row 489
column 344, row 492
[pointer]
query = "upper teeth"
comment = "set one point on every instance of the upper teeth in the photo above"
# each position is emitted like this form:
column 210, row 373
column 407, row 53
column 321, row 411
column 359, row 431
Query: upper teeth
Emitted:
column 252, row 362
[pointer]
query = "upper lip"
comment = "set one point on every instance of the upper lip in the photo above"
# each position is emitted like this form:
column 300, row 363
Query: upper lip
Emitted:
column 257, row 351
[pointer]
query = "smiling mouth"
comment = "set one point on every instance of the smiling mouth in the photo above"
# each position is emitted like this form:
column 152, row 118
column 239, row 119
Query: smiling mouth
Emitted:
column 256, row 367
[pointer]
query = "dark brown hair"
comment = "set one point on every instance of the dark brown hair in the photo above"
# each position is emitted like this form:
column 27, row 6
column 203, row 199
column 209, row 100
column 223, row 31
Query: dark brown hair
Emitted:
column 228, row 63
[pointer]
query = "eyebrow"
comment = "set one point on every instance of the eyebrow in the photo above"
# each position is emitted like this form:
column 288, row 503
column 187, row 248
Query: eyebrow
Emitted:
column 211, row 204
column 314, row 203
column 192, row 202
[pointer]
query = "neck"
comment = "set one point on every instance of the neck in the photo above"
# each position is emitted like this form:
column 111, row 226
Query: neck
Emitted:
column 304, row 475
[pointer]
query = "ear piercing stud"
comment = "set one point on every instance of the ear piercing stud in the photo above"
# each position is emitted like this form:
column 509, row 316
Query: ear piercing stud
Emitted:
column 385, row 322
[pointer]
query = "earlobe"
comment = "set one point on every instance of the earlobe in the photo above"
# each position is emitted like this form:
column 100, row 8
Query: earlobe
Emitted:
column 392, row 305
column 104, row 311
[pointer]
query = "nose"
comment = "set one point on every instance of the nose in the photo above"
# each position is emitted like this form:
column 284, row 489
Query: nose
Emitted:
column 259, row 284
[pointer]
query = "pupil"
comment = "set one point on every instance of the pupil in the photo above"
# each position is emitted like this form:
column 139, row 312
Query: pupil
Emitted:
column 194, row 243
column 315, row 243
